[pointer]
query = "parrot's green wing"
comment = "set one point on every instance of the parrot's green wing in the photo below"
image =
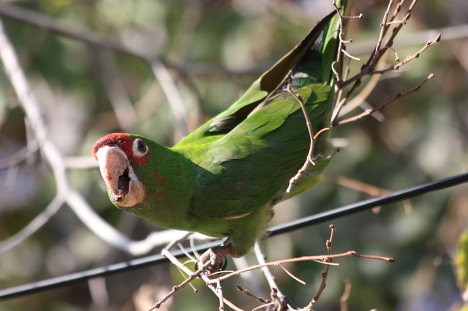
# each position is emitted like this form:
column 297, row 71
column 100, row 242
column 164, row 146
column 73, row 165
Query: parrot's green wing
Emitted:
column 262, row 153
column 256, row 94
column 247, row 154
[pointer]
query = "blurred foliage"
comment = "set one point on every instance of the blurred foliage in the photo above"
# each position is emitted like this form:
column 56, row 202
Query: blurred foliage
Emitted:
column 215, row 49
column 461, row 262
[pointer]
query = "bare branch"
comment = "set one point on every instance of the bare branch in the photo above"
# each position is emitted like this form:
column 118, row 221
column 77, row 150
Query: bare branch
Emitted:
column 344, row 298
column 309, row 158
column 172, row 93
column 324, row 259
column 374, row 60
column 382, row 107
column 31, row 108
column 323, row 284
column 266, row 271
column 117, row 94
column 158, row 66
column 409, row 57
column 20, row 155
column 260, row 299
column 34, row 225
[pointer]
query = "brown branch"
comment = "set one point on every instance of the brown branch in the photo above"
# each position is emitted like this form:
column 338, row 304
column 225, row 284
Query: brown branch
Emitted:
column 344, row 298
column 383, row 28
column 409, row 57
column 358, row 185
column 375, row 59
column 324, row 274
column 310, row 153
column 347, row 107
column 19, row 156
column 324, row 259
column 158, row 65
column 51, row 153
column 309, row 158
column 229, row 303
column 83, row 35
column 246, row 292
column 176, row 288
column 266, row 271
column 382, row 107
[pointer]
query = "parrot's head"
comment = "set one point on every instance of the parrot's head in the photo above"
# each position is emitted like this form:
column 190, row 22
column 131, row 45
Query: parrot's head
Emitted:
column 119, row 157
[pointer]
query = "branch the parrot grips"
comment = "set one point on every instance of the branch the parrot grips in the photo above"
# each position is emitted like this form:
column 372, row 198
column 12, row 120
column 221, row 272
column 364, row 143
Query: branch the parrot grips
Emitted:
column 223, row 179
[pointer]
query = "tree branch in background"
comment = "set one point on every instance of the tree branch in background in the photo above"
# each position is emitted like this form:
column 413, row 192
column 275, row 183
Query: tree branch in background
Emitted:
column 31, row 108
column 382, row 46
column 157, row 64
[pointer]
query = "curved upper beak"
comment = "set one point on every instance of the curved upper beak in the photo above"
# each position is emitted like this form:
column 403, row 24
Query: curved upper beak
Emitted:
column 123, row 185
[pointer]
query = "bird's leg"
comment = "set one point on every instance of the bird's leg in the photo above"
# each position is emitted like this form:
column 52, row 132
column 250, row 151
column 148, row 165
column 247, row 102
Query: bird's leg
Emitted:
column 216, row 258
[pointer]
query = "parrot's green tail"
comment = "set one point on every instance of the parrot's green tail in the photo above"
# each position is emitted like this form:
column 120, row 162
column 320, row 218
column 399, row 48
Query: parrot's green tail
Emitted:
column 316, row 65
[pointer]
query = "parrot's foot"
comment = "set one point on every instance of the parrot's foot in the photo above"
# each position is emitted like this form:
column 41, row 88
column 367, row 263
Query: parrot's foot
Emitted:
column 216, row 259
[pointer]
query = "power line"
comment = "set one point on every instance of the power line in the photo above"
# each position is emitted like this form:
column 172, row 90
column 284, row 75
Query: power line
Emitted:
column 394, row 197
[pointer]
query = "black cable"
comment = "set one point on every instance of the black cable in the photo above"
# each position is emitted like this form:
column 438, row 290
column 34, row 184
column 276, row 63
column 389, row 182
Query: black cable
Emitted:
column 73, row 278
column 394, row 197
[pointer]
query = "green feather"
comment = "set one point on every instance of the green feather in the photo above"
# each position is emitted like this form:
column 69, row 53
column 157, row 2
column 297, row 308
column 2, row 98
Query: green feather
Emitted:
column 222, row 179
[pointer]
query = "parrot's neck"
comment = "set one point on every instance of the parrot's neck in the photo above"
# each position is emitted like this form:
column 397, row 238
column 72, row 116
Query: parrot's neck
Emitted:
column 170, row 185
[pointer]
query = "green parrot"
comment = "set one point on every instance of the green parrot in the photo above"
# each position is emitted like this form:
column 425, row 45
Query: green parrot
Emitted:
column 224, row 178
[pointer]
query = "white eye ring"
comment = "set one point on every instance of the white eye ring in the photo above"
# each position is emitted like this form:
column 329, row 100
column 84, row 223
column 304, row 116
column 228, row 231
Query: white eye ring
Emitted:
column 139, row 147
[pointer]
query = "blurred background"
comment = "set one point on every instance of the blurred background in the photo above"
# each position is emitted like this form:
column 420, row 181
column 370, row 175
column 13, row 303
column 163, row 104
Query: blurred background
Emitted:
column 214, row 50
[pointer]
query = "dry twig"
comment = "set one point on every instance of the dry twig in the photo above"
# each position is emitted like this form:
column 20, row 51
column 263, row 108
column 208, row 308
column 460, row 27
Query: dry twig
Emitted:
column 50, row 152
column 324, row 259
column 381, row 48
column 309, row 158
column 344, row 298
column 382, row 107
column 323, row 284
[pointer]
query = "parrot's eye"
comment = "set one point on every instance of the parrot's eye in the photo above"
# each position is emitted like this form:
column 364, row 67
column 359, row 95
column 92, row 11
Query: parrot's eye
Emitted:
column 139, row 147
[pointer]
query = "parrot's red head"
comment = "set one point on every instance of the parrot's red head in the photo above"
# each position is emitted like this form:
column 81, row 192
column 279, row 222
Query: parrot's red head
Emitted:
column 117, row 155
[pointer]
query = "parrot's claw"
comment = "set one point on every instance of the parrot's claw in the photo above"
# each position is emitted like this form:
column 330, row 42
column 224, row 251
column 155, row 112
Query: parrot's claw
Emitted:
column 216, row 259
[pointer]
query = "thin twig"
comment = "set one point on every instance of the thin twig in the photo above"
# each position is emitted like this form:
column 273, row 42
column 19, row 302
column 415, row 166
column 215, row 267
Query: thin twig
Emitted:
column 361, row 97
column 324, row 259
column 19, row 156
column 229, row 303
column 176, row 288
column 292, row 275
column 191, row 275
column 56, row 160
column 166, row 252
column 40, row 220
column 219, row 293
column 172, row 93
column 158, row 66
column 344, row 298
column 266, row 271
column 118, row 96
column 413, row 39
column 409, row 57
column 375, row 59
column 324, row 274
column 309, row 158
column 358, row 185
column 382, row 107
column 260, row 299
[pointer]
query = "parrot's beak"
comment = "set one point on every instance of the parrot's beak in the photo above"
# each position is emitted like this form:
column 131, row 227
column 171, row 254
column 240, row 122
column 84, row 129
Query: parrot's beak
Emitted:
column 124, row 187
